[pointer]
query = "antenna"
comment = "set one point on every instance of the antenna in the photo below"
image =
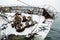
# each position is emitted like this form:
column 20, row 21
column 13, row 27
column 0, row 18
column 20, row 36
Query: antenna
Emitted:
column 24, row 3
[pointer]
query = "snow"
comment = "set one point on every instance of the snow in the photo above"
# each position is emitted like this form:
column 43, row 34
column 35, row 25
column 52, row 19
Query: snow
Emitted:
column 9, row 30
column 37, row 3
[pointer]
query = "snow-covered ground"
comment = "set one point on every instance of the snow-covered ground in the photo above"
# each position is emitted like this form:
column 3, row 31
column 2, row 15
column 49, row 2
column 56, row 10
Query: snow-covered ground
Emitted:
column 9, row 30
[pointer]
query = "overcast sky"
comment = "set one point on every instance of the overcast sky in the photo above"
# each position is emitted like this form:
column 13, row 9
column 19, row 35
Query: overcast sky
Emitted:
column 38, row 3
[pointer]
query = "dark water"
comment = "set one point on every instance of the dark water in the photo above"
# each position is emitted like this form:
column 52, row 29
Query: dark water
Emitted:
column 54, row 33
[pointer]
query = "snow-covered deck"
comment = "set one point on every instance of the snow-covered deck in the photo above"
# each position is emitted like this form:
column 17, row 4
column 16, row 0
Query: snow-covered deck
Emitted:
column 39, row 19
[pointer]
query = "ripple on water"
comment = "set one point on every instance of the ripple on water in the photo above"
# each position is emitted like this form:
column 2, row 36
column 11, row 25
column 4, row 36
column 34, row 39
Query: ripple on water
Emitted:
column 54, row 33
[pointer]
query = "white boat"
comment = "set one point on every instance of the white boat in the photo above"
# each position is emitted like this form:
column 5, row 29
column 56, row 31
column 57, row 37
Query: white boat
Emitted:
column 38, row 32
column 42, row 27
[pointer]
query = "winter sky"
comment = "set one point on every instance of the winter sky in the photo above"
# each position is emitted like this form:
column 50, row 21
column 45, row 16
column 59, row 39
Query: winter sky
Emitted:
column 38, row 3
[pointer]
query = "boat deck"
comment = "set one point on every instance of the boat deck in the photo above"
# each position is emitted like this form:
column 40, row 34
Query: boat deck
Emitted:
column 42, row 33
